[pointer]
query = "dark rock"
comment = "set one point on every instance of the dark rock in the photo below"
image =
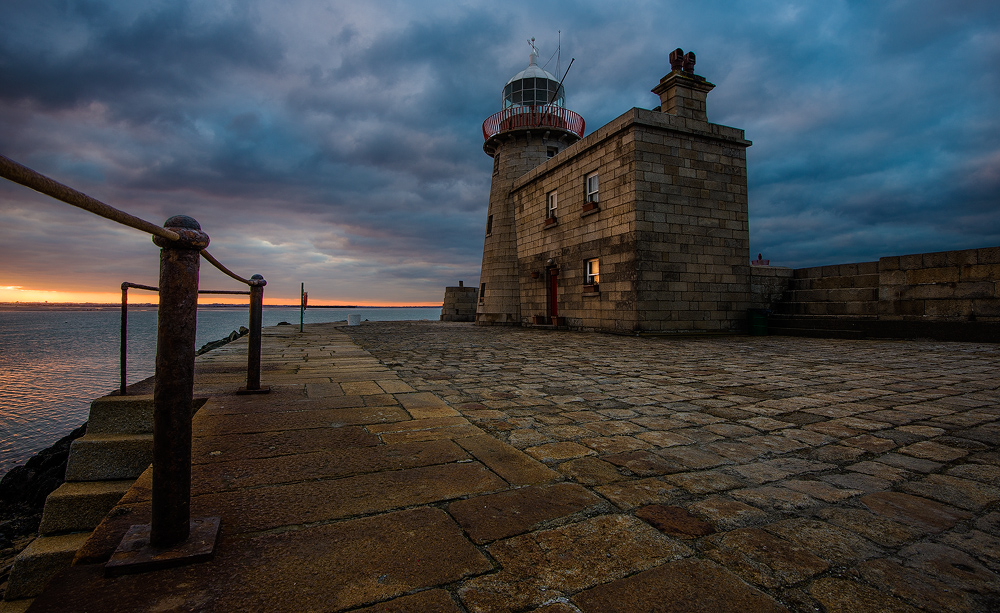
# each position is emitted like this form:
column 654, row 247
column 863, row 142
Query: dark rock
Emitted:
column 244, row 331
column 283, row 323
column 24, row 488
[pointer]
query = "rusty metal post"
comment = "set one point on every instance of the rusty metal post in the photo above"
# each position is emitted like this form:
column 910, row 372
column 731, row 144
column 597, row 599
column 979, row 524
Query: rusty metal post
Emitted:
column 124, row 337
column 173, row 389
column 256, row 315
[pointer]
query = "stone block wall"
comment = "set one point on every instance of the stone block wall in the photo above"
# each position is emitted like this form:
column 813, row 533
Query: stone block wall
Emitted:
column 949, row 295
column 843, row 289
column 459, row 303
column 948, row 285
column 606, row 231
column 768, row 285
column 692, row 222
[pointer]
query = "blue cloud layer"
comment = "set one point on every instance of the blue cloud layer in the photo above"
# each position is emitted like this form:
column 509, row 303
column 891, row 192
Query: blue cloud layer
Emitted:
column 339, row 144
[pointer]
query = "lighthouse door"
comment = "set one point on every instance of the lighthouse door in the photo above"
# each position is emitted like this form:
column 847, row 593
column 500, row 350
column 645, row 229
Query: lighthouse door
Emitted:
column 553, row 293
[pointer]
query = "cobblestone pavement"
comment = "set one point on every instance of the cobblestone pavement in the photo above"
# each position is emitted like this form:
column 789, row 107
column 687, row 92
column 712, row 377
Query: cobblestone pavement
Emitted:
column 832, row 475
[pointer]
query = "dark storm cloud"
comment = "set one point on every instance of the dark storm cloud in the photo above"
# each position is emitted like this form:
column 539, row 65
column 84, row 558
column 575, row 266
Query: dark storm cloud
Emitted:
column 128, row 61
column 338, row 143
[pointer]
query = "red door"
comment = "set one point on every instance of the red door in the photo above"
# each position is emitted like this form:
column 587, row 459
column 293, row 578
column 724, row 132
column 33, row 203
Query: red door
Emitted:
column 553, row 293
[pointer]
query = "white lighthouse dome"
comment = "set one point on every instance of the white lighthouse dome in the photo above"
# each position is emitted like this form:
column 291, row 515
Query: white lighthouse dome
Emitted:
column 533, row 86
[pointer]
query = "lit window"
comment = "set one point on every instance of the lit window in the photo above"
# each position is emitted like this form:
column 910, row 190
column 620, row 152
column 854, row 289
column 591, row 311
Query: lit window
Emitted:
column 551, row 201
column 592, row 187
column 593, row 271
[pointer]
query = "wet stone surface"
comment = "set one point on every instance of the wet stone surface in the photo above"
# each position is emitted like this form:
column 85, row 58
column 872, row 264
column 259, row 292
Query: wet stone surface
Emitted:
column 803, row 474
column 409, row 466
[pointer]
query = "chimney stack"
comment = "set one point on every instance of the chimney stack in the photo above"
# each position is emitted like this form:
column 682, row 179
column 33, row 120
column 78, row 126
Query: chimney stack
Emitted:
column 682, row 92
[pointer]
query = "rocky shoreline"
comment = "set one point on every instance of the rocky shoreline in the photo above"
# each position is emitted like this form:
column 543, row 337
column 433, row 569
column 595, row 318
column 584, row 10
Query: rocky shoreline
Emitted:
column 22, row 497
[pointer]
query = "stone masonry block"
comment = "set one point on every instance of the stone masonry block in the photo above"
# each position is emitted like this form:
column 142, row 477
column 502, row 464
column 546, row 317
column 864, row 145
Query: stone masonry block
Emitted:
column 892, row 277
column 868, row 268
column 981, row 272
column 933, row 275
column 103, row 457
column 982, row 289
column 989, row 255
column 888, row 263
column 121, row 415
column 43, row 558
column 80, row 506
column 950, row 258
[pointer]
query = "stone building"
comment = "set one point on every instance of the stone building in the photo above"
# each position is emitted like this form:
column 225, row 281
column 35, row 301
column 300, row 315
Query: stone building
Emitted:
column 639, row 226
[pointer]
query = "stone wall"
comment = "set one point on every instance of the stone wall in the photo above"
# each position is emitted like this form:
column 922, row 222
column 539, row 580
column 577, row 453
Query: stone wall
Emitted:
column 843, row 289
column 948, row 285
column 767, row 285
column 951, row 295
column 459, row 303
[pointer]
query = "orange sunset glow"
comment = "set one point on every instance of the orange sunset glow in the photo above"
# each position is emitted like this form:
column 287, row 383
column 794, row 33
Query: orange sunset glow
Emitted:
column 10, row 293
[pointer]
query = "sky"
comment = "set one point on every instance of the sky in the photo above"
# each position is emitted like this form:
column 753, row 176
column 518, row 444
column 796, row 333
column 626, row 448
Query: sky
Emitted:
column 339, row 144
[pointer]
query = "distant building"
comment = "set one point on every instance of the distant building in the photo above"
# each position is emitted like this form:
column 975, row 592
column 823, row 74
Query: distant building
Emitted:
column 638, row 226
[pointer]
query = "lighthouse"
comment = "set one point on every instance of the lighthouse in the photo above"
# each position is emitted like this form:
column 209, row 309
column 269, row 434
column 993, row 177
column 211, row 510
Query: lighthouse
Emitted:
column 532, row 126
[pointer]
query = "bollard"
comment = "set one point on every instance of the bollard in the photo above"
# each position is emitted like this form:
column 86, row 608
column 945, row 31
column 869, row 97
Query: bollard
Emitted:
column 173, row 389
column 253, row 350
column 172, row 538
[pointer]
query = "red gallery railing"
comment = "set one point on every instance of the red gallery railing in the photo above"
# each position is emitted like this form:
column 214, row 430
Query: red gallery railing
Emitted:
column 527, row 117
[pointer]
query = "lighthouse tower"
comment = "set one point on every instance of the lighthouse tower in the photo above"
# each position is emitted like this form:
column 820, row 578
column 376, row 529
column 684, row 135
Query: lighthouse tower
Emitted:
column 533, row 126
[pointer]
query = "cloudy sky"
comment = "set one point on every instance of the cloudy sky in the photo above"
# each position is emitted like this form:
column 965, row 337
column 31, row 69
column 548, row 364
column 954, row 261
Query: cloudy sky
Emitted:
column 339, row 144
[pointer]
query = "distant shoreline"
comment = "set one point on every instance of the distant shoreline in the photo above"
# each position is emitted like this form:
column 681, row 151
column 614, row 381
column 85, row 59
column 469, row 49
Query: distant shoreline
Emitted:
column 86, row 306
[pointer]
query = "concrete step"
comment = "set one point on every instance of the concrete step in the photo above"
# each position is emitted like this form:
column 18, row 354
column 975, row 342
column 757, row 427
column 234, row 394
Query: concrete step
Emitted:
column 102, row 457
column 76, row 506
column 121, row 415
column 43, row 558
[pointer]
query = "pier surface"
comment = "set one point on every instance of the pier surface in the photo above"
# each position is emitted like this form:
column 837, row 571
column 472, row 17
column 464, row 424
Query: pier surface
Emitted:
column 425, row 466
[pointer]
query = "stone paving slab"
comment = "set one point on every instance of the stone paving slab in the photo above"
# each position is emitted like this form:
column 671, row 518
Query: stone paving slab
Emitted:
column 412, row 466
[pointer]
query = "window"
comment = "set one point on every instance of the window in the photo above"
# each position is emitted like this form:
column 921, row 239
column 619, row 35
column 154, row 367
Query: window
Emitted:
column 482, row 291
column 593, row 271
column 489, row 225
column 551, row 152
column 551, row 202
column 591, row 187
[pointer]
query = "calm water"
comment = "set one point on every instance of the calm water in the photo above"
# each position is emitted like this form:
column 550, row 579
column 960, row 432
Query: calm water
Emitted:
column 53, row 363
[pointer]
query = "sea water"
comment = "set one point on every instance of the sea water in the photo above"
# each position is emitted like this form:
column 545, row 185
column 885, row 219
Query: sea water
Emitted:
column 54, row 363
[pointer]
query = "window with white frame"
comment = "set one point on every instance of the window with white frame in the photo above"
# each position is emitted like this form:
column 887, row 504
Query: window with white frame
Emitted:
column 591, row 187
column 593, row 271
column 551, row 202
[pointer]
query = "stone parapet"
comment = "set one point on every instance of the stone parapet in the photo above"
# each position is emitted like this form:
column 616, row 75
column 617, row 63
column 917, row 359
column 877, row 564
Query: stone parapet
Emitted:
column 459, row 303
column 951, row 295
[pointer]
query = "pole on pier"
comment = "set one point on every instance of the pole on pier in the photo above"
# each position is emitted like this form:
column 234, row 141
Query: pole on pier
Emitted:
column 302, row 305
column 257, row 284
column 172, row 538
column 124, row 338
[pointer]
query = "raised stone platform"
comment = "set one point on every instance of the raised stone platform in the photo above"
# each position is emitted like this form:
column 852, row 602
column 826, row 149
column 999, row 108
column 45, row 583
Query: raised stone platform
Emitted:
column 449, row 467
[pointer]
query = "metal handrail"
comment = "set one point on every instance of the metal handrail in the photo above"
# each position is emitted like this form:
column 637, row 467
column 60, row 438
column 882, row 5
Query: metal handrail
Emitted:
column 182, row 244
column 11, row 170
column 123, row 336
column 526, row 117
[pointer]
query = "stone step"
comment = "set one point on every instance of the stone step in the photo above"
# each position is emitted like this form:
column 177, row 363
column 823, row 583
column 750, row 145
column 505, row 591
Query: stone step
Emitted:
column 121, row 415
column 43, row 558
column 76, row 506
column 102, row 457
